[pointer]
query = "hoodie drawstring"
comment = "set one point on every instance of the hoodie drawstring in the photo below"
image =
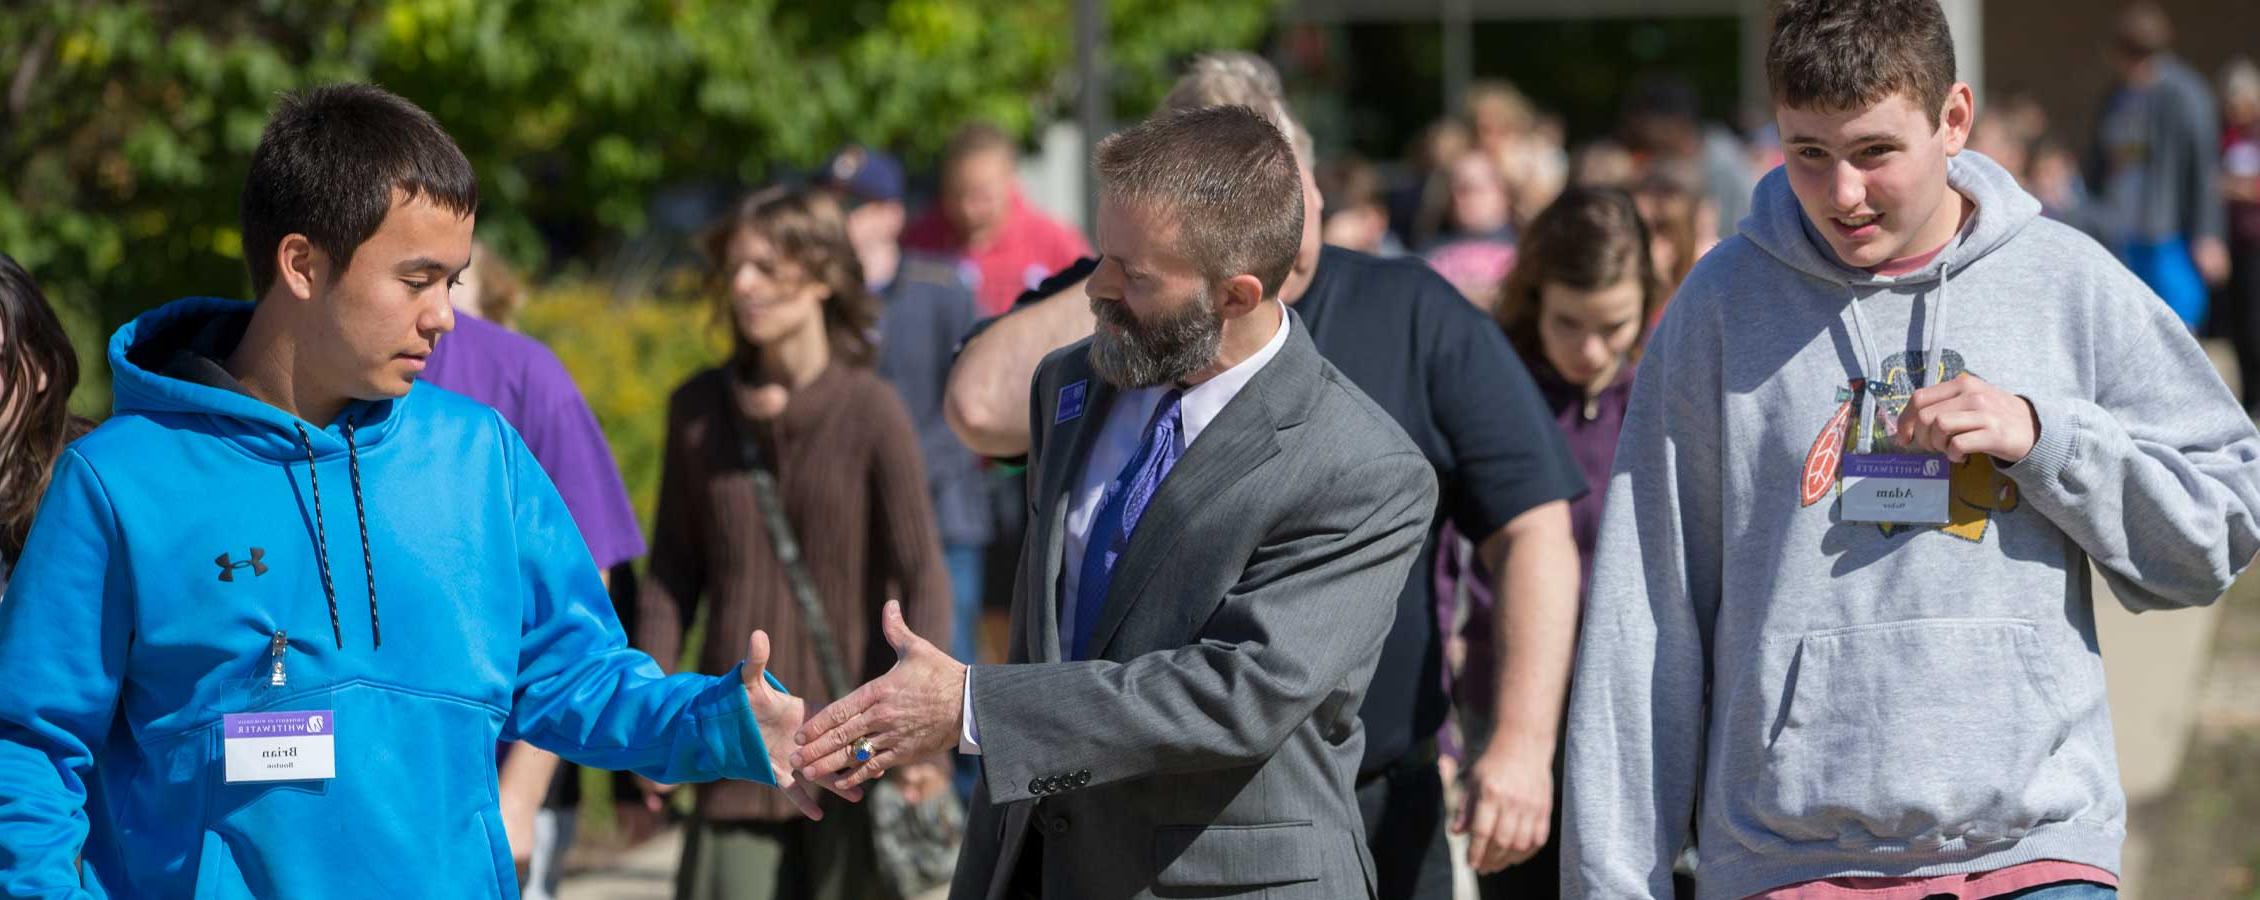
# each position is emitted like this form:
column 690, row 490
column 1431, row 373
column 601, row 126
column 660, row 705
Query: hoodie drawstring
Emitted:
column 322, row 540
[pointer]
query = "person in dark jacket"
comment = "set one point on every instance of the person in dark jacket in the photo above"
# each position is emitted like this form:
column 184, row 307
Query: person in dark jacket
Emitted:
column 799, row 397
column 2154, row 166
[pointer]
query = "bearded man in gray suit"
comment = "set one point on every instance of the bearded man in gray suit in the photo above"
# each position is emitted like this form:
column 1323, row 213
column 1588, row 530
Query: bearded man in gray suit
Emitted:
column 1219, row 524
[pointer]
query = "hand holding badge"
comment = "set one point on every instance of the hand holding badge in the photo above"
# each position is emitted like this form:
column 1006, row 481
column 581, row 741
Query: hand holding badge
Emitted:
column 1967, row 416
column 1945, row 424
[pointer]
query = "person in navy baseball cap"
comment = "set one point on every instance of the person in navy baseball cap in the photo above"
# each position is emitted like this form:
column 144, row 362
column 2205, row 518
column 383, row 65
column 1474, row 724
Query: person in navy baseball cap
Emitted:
column 862, row 175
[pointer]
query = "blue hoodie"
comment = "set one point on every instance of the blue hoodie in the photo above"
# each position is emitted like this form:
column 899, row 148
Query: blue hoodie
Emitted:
column 180, row 538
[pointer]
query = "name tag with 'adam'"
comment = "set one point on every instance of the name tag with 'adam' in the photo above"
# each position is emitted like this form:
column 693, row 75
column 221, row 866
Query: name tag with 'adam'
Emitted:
column 281, row 746
column 1896, row 488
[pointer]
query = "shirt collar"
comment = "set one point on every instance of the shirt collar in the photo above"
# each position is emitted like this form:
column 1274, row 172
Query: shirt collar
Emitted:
column 1201, row 403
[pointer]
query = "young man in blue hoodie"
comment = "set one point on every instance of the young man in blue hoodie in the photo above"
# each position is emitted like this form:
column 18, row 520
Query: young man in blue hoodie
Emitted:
column 276, row 612
column 1841, row 617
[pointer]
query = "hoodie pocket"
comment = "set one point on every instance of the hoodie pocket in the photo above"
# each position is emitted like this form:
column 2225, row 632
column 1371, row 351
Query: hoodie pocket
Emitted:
column 217, row 877
column 498, row 845
column 409, row 813
column 1913, row 734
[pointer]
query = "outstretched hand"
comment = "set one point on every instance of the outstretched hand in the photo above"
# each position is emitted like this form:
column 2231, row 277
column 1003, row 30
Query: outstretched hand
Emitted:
column 779, row 714
column 911, row 713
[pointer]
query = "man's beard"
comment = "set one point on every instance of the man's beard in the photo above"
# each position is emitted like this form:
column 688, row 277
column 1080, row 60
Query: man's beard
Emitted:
column 1140, row 355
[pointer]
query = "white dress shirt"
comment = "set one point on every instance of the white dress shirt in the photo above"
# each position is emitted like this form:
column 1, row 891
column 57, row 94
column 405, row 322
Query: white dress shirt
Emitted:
column 1118, row 440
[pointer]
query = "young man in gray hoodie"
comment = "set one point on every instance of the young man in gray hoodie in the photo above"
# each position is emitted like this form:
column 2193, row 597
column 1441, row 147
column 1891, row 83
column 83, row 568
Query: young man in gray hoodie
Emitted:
column 1841, row 617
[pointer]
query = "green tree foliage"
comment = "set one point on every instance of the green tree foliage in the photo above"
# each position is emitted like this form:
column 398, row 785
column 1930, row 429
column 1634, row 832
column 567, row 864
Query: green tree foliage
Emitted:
column 126, row 126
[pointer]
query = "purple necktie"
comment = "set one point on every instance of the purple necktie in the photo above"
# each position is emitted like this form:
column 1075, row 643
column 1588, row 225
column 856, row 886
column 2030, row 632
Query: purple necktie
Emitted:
column 1126, row 501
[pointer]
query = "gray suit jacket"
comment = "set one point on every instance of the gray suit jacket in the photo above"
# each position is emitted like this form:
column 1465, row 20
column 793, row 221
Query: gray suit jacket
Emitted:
column 1209, row 746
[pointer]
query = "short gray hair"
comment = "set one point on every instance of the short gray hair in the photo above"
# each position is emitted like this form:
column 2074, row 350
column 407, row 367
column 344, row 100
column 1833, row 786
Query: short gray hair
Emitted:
column 1236, row 78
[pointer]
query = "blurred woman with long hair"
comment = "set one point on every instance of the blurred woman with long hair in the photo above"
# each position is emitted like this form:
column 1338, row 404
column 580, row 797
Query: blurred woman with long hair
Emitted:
column 1576, row 310
column 797, row 400
column 37, row 373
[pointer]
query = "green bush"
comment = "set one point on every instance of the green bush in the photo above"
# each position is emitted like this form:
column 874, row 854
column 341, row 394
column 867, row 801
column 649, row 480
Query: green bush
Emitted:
column 627, row 356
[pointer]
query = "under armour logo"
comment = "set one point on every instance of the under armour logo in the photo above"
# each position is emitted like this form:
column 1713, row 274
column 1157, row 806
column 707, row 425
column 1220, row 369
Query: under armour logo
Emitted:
column 257, row 564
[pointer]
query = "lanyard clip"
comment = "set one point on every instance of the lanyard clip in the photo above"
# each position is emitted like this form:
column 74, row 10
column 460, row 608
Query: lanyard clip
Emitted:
column 281, row 644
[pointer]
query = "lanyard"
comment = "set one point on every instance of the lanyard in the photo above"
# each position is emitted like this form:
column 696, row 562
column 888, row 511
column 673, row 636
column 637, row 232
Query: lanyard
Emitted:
column 1871, row 363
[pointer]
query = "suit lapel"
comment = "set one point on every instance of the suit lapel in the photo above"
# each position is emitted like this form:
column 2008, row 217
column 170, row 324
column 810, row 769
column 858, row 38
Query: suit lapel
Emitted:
column 1242, row 437
column 1058, row 474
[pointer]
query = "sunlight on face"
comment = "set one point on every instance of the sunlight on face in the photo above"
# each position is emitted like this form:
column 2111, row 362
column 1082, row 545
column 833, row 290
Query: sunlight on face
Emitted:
column 381, row 316
column 771, row 297
column 1872, row 181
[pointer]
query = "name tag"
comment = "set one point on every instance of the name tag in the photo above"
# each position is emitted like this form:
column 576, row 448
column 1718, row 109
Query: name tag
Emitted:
column 281, row 746
column 1896, row 488
column 1071, row 400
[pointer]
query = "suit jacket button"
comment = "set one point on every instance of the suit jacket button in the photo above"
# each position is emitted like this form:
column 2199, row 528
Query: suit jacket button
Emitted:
column 1083, row 778
column 1036, row 786
column 1058, row 825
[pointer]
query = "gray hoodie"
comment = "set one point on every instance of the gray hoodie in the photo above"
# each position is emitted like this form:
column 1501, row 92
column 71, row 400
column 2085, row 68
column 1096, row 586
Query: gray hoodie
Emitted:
column 1831, row 698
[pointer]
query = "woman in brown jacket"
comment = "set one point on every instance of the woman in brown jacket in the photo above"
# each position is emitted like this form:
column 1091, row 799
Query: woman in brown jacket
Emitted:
column 798, row 396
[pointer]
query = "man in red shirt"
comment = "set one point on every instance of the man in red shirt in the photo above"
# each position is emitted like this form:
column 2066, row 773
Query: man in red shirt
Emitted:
column 1008, row 245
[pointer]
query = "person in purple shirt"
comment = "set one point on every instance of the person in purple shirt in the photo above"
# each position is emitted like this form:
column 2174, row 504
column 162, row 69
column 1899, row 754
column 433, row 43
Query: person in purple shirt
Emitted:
column 1577, row 306
column 524, row 381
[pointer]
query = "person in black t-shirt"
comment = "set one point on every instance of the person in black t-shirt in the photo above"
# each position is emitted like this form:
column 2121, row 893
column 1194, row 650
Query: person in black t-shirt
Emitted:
column 1449, row 378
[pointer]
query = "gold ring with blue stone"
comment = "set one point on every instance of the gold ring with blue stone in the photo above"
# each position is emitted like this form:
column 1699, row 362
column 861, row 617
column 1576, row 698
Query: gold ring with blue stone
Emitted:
column 863, row 751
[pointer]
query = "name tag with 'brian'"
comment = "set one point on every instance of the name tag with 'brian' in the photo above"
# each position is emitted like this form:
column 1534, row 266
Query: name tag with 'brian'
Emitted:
column 1906, row 489
column 281, row 746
